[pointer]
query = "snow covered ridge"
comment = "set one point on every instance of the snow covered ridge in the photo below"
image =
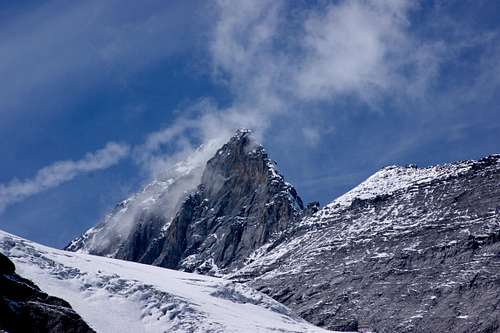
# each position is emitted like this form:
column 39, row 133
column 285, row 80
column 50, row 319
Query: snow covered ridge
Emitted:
column 394, row 178
column 118, row 296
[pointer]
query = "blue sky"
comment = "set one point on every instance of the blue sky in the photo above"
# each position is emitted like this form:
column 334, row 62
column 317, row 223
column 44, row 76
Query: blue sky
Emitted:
column 98, row 97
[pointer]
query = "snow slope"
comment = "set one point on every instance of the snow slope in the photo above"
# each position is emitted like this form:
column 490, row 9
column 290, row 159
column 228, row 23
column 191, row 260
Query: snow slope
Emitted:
column 119, row 296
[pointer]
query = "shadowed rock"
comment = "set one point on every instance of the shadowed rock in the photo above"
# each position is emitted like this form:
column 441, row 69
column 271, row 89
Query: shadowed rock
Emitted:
column 25, row 308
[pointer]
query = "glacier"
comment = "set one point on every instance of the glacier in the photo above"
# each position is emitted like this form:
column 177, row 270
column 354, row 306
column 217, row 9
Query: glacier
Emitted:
column 113, row 295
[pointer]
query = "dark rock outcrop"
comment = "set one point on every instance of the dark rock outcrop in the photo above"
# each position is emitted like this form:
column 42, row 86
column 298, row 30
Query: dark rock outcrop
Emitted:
column 25, row 308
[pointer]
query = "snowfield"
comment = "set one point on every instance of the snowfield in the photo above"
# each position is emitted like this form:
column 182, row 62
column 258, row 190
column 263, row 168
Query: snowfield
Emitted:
column 119, row 296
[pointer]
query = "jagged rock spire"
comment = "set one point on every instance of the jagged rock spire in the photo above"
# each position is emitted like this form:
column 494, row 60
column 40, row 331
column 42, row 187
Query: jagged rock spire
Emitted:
column 240, row 203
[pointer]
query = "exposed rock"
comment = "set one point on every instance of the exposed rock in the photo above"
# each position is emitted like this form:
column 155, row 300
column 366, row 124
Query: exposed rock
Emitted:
column 241, row 204
column 311, row 208
column 25, row 308
column 6, row 266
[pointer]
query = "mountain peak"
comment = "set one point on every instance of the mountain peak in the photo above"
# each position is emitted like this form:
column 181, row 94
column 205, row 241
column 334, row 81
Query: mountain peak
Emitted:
column 240, row 132
column 241, row 143
column 238, row 202
column 241, row 203
column 244, row 161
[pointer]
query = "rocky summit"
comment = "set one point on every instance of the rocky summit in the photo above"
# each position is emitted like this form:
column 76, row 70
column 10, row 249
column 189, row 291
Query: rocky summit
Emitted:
column 408, row 250
column 241, row 202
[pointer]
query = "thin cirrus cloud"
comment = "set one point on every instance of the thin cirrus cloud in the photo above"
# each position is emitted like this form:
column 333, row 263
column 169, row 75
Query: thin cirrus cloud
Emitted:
column 61, row 172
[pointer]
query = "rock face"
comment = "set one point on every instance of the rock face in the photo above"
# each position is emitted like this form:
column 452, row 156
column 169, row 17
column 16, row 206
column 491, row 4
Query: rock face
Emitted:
column 25, row 308
column 409, row 250
column 241, row 202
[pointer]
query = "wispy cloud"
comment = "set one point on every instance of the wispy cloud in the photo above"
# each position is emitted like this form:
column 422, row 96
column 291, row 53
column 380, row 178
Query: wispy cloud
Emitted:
column 354, row 47
column 277, row 63
column 61, row 172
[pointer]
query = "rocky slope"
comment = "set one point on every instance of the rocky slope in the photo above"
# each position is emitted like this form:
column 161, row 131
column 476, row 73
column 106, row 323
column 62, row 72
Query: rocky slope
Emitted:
column 25, row 308
column 409, row 250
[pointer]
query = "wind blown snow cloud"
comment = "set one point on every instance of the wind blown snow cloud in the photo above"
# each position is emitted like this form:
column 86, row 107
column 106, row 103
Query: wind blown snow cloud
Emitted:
column 61, row 172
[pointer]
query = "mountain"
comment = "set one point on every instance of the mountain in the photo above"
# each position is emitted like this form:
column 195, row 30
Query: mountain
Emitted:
column 25, row 308
column 408, row 250
column 121, row 296
column 239, row 204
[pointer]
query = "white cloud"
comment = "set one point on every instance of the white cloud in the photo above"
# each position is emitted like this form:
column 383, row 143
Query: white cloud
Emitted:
column 61, row 172
column 243, row 38
column 276, row 62
column 339, row 49
column 353, row 47
column 204, row 124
